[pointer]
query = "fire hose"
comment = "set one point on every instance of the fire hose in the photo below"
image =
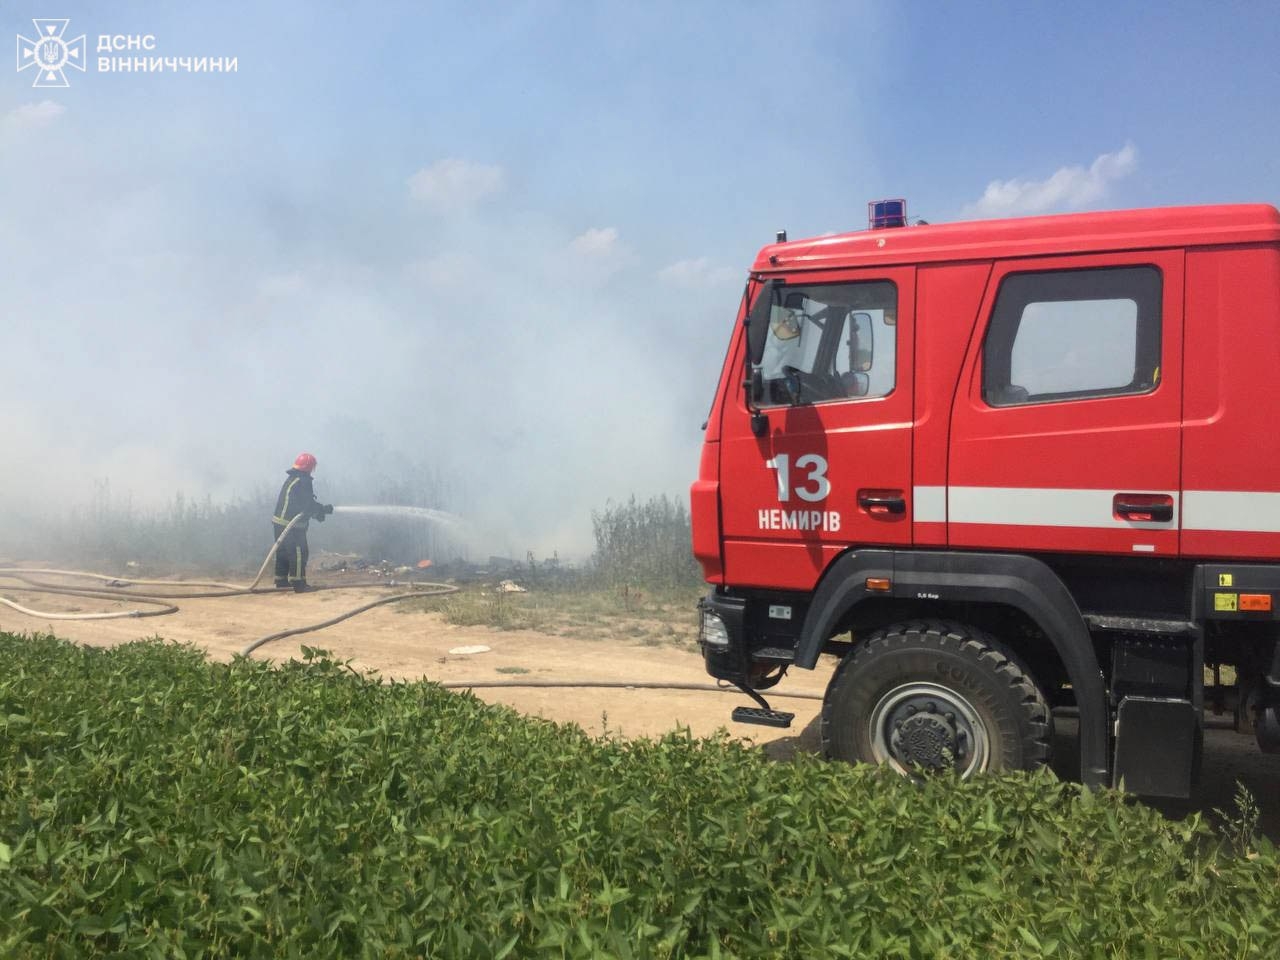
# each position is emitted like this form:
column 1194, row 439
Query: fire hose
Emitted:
column 617, row 685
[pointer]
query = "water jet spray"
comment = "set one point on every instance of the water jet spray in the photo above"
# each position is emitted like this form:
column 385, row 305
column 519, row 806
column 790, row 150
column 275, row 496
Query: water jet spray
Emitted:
column 428, row 514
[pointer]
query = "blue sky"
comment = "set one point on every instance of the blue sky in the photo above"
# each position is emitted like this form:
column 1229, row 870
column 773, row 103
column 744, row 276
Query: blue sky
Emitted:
column 504, row 241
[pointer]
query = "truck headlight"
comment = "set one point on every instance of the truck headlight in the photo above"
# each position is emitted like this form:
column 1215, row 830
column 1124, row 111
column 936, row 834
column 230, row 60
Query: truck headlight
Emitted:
column 713, row 632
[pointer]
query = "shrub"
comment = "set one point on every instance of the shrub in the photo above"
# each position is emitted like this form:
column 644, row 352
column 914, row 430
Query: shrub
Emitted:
column 155, row 804
column 644, row 544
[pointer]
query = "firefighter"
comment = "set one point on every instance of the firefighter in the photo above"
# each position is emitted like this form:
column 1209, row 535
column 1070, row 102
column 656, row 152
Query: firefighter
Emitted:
column 296, row 498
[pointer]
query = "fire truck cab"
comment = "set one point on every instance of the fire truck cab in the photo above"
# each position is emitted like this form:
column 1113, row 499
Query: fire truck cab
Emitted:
column 1002, row 469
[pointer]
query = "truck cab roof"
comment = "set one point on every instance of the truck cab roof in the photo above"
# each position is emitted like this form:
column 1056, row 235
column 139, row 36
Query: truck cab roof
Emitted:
column 1029, row 236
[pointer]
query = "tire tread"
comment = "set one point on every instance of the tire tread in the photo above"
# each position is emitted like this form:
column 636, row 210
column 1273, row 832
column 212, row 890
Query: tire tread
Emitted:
column 971, row 643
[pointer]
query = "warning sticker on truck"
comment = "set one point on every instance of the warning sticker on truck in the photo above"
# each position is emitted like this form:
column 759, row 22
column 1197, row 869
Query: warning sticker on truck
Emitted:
column 1224, row 601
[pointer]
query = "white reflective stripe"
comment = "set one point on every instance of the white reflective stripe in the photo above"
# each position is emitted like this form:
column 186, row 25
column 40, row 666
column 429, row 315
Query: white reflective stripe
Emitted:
column 1046, row 507
column 1231, row 510
column 1203, row 510
column 929, row 504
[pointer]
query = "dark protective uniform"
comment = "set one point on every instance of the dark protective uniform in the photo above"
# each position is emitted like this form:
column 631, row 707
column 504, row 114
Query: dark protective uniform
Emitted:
column 296, row 497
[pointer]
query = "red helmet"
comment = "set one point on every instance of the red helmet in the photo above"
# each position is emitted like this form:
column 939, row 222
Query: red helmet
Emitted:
column 305, row 462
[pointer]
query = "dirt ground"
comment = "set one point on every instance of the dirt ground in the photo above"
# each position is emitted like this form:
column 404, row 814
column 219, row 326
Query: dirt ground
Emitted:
column 411, row 644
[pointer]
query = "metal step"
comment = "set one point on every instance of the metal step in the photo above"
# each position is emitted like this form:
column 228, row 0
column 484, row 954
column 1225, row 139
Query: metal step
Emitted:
column 765, row 718
column 1170, row 628
column 774, row 655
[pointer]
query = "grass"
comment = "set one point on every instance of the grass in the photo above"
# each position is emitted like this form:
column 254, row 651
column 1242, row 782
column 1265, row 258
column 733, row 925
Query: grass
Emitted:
column 580, row 611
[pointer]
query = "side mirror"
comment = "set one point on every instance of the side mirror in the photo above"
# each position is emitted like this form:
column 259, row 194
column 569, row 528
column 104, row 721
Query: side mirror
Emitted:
column 755, row 385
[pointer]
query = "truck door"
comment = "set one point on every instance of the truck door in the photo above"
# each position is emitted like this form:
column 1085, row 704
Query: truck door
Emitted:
column 832, row 356
column 1065, row 428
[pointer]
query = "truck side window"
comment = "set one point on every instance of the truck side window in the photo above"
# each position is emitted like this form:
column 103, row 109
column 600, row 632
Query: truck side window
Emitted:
column 1073, row 334
column 830, row 342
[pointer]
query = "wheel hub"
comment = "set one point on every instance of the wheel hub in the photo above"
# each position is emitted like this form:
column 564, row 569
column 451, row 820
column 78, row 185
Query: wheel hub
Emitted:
column 925, row 740
column 925, row 726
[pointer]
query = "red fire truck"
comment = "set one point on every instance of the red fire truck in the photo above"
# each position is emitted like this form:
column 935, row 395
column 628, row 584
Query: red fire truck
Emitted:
column 1002, row 469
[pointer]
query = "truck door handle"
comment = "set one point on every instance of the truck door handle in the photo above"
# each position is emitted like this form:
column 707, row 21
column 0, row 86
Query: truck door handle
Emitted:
column 879, row 503
column 1143, row 507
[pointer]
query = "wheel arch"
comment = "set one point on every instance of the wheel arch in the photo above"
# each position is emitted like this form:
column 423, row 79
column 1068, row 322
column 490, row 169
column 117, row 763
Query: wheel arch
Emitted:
column 1017, row 581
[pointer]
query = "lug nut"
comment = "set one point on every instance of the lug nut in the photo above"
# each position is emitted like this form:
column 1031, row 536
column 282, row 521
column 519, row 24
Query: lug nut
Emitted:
column 950, row 717
column 911, row 710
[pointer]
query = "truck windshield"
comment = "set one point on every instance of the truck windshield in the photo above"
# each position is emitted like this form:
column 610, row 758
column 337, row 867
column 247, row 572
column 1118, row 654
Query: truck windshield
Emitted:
column 830, row 342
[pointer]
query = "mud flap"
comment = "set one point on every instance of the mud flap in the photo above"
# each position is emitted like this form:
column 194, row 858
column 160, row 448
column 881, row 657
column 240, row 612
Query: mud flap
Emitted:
column 1155, row 746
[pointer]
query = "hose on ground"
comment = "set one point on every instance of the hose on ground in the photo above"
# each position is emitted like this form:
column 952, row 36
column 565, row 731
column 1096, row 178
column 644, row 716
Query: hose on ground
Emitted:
column 23, row 574
column 441, row 590
column 122, row 582
column 119, row 582
column 122, row 586
column 165, row 608
column 616, row 685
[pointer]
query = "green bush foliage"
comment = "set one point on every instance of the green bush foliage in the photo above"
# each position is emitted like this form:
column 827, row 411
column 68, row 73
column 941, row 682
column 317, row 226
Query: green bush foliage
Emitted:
column 645, row 544
column 155, row 804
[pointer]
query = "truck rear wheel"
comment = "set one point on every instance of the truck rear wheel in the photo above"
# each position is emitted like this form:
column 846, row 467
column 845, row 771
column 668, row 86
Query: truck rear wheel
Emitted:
column 931, row 695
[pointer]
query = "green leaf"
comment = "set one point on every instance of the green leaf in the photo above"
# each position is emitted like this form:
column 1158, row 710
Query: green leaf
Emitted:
column 89, row 927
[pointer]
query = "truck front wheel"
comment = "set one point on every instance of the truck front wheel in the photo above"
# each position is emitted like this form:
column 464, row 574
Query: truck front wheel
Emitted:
column 931, row 695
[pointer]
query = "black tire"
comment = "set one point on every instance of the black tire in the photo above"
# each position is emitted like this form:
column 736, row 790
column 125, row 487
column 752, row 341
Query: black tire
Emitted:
column 938, row 693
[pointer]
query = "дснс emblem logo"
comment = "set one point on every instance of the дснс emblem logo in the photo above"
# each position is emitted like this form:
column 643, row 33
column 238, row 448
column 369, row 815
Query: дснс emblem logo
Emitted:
column 50, row 54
